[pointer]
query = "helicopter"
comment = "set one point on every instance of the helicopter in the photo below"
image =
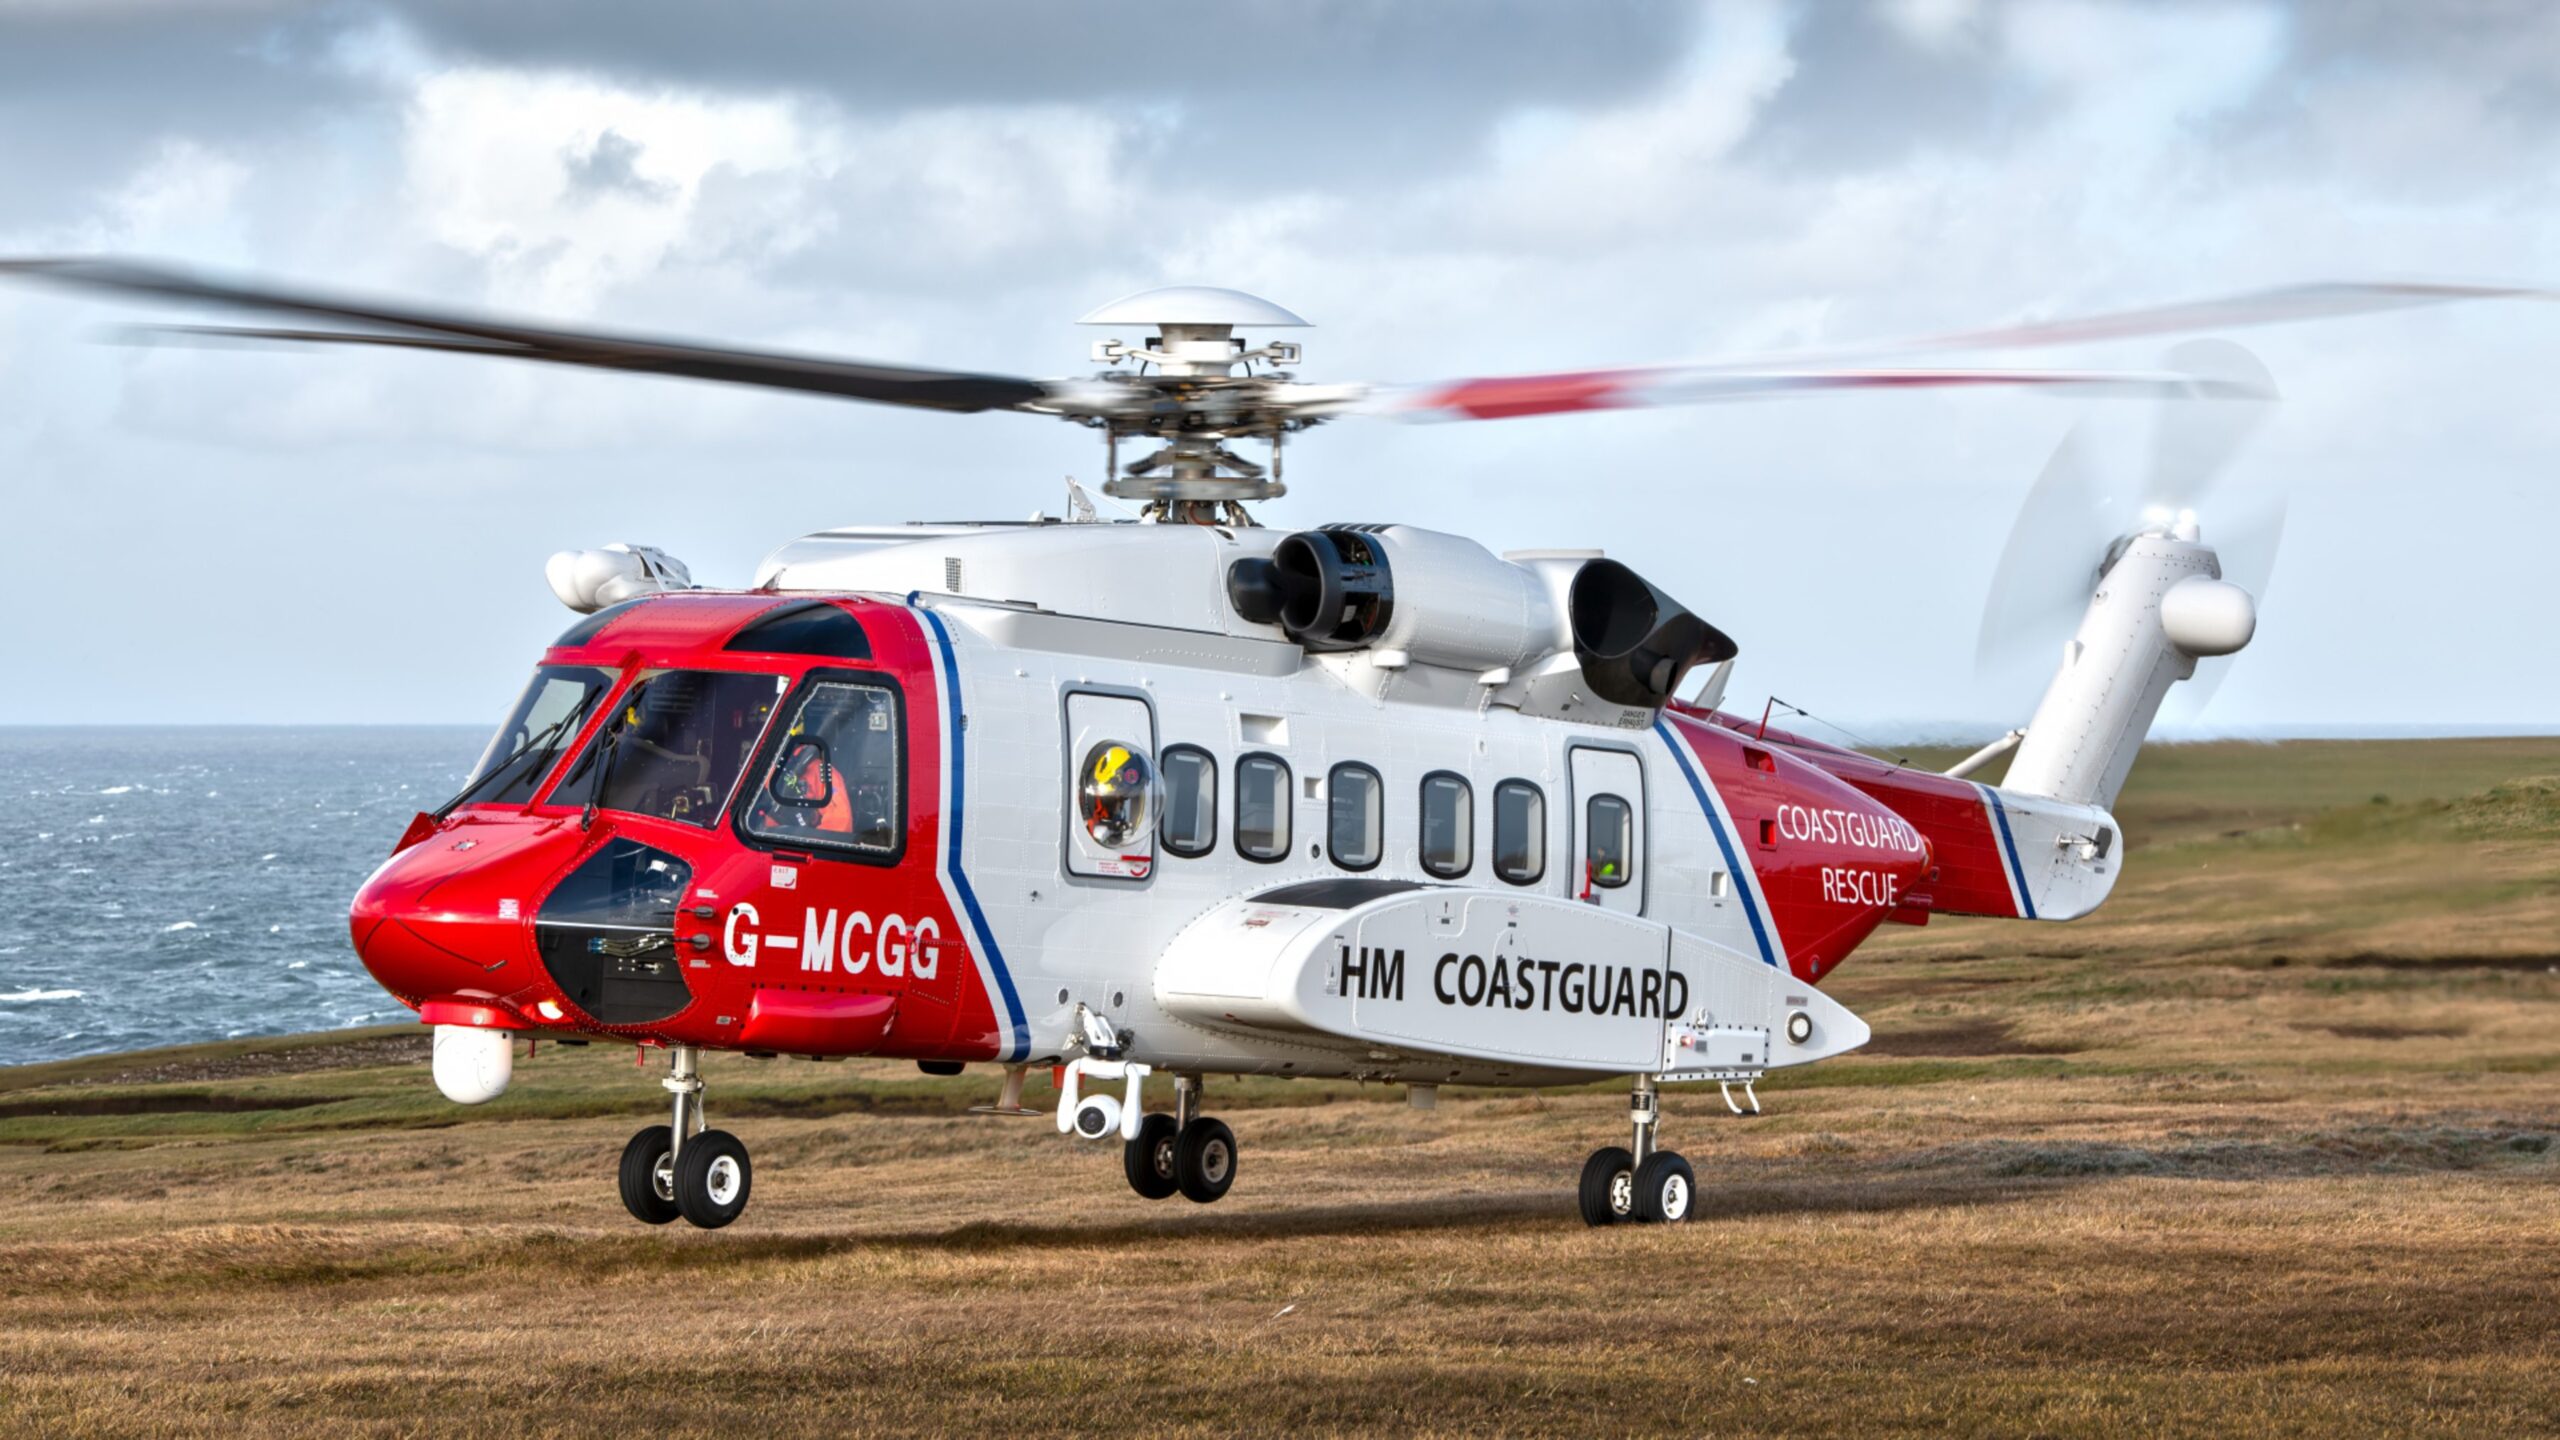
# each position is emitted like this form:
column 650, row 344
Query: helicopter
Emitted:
column 1180, row 797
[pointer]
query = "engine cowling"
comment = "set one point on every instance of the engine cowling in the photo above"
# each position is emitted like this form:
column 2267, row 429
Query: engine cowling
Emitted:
column 1400, row 591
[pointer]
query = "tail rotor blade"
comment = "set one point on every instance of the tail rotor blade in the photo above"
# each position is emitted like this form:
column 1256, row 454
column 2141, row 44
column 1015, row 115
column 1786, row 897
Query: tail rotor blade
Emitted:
column 2195, row 437
column 2247, row 546
column 2050, row 563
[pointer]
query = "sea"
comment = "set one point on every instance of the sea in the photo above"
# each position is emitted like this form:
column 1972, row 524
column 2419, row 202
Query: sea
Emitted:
column 168, row 886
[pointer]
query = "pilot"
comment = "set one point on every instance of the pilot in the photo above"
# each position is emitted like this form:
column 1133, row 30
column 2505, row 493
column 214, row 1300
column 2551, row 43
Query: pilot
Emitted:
column 1115, row 794
column 808, row 775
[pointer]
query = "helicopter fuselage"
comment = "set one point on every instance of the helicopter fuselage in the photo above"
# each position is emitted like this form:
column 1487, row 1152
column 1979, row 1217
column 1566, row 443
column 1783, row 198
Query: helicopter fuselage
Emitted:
column 1630, row 868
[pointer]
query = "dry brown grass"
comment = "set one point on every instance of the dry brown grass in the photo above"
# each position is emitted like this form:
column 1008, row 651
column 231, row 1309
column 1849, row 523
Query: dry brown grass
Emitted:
column 2128, row 1177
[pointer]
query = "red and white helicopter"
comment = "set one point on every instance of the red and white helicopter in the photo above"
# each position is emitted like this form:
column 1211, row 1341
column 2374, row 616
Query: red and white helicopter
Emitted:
column 1189, row 797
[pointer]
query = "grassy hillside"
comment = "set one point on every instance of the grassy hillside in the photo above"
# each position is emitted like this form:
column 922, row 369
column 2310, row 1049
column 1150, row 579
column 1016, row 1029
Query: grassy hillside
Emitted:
column 2270, row 1146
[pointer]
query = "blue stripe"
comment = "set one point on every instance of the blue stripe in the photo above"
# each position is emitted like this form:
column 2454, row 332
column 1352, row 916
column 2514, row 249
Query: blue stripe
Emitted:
column 959, row 877
column 1724, row 842
column 2009, row 849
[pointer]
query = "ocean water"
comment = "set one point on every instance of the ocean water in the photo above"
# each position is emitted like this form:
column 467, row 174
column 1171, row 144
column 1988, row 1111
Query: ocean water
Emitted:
column 163, row 886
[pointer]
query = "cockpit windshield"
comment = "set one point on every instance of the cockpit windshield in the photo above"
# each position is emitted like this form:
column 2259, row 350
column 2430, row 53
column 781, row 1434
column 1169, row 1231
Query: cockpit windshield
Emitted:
column 674, row 746
column 541, row 726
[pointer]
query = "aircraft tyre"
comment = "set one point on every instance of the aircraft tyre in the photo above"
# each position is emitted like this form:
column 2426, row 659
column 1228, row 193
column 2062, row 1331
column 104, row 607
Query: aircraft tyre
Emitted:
column 1149, row 1159
column 1666, row 1189
column 648, row 1181
column 713, row 1178
column 1607, row 1193
column 1204, row 1159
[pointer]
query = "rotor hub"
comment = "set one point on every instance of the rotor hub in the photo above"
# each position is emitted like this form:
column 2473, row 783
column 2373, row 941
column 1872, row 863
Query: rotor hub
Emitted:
column 1197, row 387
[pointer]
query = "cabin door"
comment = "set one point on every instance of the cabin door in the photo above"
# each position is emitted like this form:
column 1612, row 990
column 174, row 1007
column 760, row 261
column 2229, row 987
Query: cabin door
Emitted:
column 1111, row 787
column 1608, row 829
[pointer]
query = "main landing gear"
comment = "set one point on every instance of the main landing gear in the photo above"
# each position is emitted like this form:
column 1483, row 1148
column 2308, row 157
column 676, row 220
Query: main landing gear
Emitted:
column 683, row 1168
column 1644, row 1185
column 1184, row 1151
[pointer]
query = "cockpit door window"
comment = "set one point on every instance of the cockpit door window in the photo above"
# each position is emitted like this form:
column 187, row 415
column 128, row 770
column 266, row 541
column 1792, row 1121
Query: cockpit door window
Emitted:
column 834, row 779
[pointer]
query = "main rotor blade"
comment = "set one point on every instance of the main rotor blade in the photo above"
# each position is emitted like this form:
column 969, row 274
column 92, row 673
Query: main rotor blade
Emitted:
column 952, row 390
column 2284, row 304
column 1513, row 396
column 1845, row 367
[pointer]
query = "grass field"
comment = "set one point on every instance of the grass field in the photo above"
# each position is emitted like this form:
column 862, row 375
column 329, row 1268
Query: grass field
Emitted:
column 2270, row 1146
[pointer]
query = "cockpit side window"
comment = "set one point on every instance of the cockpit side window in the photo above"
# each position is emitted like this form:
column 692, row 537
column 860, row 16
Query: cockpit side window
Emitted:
column 546, row 718
column 674, row 746
column 834, row 776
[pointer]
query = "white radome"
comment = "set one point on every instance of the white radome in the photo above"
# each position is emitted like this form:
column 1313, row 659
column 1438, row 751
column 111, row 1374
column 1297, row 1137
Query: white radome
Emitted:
column 2208, row 617
column 473, row 1065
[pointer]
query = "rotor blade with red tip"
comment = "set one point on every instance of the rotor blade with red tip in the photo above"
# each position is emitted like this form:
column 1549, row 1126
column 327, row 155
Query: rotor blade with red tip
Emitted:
column 1838, row 368
column 2283, row 305
column 1513, row 396
column 476, row 335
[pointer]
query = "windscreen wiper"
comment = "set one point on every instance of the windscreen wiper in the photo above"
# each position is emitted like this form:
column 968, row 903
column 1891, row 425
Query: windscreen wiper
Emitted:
column 547, row 734
column 611, row 744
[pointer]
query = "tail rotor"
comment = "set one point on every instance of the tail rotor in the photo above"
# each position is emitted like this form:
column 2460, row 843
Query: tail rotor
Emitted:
column 2084, row 510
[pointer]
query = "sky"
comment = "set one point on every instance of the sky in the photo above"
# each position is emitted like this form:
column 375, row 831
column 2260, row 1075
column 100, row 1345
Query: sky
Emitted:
column 226, row 535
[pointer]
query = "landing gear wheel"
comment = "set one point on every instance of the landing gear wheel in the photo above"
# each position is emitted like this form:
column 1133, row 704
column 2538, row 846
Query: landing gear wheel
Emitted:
column 649, row 1176
column 712, row 1179
column 1607, row 1193
column 1666, row 1189
column 1204, row 1159
column 1149, row 1159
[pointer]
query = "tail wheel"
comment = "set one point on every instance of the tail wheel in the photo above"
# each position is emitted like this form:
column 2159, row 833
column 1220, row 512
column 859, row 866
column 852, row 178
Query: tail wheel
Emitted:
column 1204, row 1159
column 1608, row 1193
column 1150, row 1159
column 713, row 1178
column 1666, row 1189
column 649, row 1176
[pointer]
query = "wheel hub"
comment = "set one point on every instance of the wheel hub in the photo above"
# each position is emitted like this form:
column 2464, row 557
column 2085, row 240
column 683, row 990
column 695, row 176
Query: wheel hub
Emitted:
column 723, row 1180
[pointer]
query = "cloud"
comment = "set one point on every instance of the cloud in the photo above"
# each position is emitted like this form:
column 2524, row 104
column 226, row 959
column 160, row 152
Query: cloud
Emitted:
column 1446, row 189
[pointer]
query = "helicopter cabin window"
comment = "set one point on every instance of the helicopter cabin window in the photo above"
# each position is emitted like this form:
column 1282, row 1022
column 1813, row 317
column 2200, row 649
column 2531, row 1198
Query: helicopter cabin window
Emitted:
column 1262, row 807
column 1115, row 805
column 546, row 718
column 834, row 777
column 674, row 746
column 1611, row 825
column 1356, row 827
column 1448, row 825
column 1190, row 824
column 812, row 627
column 1519, row 832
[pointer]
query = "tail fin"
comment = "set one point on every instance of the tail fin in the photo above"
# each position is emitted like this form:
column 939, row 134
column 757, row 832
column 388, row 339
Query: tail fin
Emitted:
column 2161, row 605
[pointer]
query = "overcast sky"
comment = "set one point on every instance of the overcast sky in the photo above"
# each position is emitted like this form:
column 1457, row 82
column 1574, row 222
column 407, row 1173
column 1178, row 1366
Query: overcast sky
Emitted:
column 219, row 535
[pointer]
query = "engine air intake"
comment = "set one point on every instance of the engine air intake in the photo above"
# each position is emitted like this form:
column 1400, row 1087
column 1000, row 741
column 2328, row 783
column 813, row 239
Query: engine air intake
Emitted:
column 1329, row 589
column 1634, row 642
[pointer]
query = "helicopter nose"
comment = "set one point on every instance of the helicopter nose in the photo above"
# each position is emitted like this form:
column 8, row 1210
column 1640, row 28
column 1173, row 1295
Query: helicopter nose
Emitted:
column 407, row 943
column 440, row 917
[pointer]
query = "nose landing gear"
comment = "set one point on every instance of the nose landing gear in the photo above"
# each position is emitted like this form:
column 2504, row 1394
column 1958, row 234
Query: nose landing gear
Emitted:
column 1643, row 1184
column 684, row 1168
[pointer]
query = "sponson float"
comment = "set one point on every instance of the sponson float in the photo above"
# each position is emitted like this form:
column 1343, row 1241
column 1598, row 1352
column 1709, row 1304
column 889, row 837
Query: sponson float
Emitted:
column 1157, row 801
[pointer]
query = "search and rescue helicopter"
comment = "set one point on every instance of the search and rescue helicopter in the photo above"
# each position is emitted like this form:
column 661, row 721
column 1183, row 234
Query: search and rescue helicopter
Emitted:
column 1186, row 797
